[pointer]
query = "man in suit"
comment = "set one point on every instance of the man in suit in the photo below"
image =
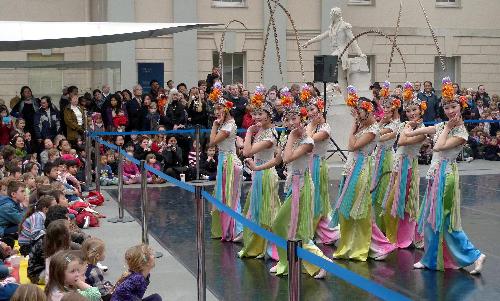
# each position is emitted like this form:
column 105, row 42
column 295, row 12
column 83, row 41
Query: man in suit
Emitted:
column 134, row 109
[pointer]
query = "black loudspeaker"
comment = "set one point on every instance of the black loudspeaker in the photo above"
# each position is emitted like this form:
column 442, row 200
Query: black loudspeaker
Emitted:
column 325, row 68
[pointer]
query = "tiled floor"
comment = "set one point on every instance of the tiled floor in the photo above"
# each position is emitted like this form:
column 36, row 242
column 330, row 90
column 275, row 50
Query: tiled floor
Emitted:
column 172, row 221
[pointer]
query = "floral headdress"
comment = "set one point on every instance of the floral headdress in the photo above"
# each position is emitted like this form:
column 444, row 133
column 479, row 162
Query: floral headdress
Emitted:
column 305, row 93
column 258, row 101
column 410, row 98
column 387, row 99
column 319, row 103
column 216, row 97
column 353, row 100
column 289, row 105
column 448, row 94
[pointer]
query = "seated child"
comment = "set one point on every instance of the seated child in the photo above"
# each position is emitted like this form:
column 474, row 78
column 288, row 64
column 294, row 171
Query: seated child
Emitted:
column 132, row 284
column 131, row 173
column 33, row 226
column 12, row 211
column 93, row 252
column 152, row 178
column 64, row 277
column 107, row 177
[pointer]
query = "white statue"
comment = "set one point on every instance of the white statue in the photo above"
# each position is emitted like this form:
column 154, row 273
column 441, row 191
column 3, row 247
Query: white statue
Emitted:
column 340, row 33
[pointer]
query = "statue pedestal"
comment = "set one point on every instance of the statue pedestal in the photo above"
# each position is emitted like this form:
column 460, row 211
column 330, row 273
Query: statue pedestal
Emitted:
column 339, row 114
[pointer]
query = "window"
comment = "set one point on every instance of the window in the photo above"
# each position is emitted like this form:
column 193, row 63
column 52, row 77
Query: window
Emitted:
column 447, row 3
column 46, row 81
column 361, row 2
column 229, row 3
column 233, row 66
column 452, row 65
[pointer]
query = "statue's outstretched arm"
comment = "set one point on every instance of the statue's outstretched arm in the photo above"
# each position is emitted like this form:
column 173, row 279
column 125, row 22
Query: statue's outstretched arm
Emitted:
column 317, row 38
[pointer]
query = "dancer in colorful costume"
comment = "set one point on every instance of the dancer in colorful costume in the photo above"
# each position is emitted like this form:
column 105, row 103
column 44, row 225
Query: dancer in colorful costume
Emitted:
column 446, row 244
column 359, row 234
column 401, row 202
column 295, row 217
column 229, row 169
column 320, row 131
column 384, row 152
column 262, row 202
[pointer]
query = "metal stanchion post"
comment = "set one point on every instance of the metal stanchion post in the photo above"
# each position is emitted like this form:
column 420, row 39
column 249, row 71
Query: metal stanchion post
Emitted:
column 97, row 166
column 144, row 206
column 294, row 267
column 121, row 216
column 200, row 243
column 88, row 155
column 198, row 146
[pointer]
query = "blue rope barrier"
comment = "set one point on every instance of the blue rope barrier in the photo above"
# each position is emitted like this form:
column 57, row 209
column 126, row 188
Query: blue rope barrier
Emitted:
column 342, row 273
column 466, row 121
column 170, row 132
column 161, row 174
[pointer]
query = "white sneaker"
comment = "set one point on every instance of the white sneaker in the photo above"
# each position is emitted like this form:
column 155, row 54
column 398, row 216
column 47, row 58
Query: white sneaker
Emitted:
column 418, row 265
column 86, row 222
column 102, row 267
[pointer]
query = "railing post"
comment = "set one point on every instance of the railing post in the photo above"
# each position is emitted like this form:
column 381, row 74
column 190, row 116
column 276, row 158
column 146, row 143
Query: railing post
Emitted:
column 198, row 145
column 294, row 267
column 145, row 207
column 97, row 166
column 88, row 155
column 144, row 203
column 121, row 215
column 200, row 243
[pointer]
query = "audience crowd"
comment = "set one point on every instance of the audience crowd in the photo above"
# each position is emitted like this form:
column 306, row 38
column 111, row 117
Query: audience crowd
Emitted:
column 43, row 194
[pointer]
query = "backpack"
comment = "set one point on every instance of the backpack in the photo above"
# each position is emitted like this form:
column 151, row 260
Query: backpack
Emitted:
column 95, row 198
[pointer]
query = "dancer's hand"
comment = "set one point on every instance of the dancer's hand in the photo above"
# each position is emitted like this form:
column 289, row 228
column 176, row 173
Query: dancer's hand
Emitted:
column 454, row 122
column 250, row 163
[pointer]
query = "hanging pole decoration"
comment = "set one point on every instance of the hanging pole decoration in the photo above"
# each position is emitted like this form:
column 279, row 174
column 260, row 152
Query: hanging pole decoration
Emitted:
column 273, row 24
column 434, row 37
column 380, row 33
column 221, row 46
column 394, row 43
column 272, row 21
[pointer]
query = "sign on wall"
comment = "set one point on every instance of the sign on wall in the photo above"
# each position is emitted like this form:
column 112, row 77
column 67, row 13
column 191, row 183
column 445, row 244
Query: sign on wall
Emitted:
column 149, row 71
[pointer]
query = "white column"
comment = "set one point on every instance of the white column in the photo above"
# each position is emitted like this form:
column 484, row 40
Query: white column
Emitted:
column 122, row 11
column 271, row 68
column 185, row 52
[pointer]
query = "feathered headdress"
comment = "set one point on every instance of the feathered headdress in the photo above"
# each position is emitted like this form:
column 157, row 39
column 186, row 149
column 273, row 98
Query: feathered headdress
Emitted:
column 216, row 97
column 258, row 101
column 353, row 100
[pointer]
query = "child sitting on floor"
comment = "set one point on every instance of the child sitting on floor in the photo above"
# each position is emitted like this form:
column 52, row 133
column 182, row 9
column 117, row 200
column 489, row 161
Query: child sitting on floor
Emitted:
column 133, row 284
column 93, row 252
column 131, row 173
column 152, row 178
column 107, row 177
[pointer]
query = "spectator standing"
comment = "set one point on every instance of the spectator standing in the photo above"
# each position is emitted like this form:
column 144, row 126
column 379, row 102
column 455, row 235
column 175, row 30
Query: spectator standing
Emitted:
column 239, row 105
column 211, row 78
column 26, row 108
column 197, row 108
column 47, row 121
column 73, row 117
column 428, row 95
column 134, row 109
column 6, row 125
column 175, row 115
column 155, row 88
